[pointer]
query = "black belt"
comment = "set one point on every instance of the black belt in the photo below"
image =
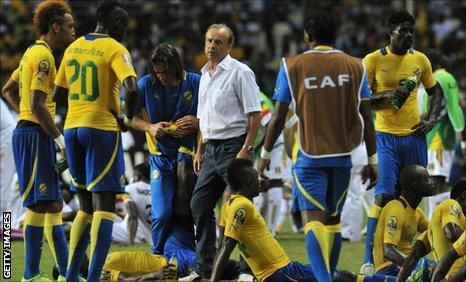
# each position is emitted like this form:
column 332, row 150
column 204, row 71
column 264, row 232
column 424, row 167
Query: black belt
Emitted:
column 218, row 142
column 26, row 123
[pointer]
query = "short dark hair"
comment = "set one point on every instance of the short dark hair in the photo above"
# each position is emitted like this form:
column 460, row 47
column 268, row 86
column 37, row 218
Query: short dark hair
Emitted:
column 144, row 170
column 105, row 9
column 166, row 55
column 321, row 27
column 48, row 13
column 237, row 172
column 398, row 17
column 458, row 189
column 408, row 176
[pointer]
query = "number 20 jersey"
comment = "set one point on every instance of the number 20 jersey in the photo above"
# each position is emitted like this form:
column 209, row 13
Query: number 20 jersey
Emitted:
column 92, row 69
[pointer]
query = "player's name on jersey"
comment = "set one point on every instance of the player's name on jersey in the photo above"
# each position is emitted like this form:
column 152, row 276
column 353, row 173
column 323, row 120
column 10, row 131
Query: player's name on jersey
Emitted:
column 84, row 51
column 312, row 82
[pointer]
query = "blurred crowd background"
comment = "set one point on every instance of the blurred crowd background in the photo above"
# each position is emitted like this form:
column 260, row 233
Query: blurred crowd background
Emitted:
column 265, row 30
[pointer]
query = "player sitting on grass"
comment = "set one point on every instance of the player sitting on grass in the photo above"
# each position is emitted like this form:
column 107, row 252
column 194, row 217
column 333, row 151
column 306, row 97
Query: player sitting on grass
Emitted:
column 447, row 225
column 244, row 226
column 453, row 254
column 399, row 222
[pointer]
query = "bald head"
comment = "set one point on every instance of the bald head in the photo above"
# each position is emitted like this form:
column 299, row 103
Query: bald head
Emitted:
column 416, row 177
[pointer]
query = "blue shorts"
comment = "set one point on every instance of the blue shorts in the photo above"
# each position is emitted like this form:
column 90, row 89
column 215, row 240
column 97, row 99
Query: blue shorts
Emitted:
column 294, row 271
column 394, row 153
column 95, row 158
column 35, row 156
column 321, row 188
column 180, row 244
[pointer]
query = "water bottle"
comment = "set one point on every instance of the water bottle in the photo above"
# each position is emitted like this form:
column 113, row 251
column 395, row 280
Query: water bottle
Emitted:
column 61, row 165
column 409, row 85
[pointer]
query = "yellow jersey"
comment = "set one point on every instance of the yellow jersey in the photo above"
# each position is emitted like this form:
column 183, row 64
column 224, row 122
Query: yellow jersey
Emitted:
column 385, row 72
column 397, row 225
column 92, row 69
column 36, row 72
column 15, row 75
column 133, row 263
column 256, row 244
column 460, row 246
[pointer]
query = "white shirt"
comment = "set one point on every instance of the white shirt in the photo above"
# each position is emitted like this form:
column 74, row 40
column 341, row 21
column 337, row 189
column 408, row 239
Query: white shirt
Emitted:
column 225, row 100
column 139, row 192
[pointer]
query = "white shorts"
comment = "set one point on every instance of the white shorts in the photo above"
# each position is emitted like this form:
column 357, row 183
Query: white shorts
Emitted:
column 440, row 164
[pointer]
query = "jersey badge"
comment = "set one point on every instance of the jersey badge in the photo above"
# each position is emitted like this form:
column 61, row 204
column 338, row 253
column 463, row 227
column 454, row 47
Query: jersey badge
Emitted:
column 187, row 96
column 455, row 211
column 42, row 188
column 392, row 224
column 240, row 217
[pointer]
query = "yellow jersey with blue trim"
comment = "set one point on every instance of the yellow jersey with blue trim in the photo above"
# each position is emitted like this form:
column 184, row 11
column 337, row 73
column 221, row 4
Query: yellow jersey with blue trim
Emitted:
column 448, row 211
column 36, row 72
column 385, row 72
column 460, row 246
column 256, row 244
column 92, row 69
column 134, row 263
column 397, row 225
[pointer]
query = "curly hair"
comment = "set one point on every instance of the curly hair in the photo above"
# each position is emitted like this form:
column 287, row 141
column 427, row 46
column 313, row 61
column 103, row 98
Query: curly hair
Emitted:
column 398, row 17
column 49, row 12
column 321, row 27
column 166, row 55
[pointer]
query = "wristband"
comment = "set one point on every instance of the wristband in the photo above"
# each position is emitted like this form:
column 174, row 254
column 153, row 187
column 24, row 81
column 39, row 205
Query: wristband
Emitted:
column 373, row 160
column 265, row 154
column 127, row 121
column 463, row 145
column 60, row 140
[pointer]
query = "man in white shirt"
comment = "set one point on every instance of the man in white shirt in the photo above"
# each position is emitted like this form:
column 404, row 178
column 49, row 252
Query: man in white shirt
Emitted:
column 229, row 118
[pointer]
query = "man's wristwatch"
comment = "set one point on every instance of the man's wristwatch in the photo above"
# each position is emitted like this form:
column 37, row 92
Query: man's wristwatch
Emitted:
column 250, row 149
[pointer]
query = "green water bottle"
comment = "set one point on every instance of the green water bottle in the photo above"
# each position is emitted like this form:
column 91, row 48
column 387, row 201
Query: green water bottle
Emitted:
column 409, row 85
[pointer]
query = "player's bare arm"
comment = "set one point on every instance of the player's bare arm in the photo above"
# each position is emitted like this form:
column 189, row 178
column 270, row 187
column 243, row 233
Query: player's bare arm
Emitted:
column 275, row 127
column 452, row 231
column 131, row 88
column 370, row 171
column 222, row 257
column 428, row 122
column 445, row 264
column 394, row 255
column 10, row 92
column 418, row 251
column 43, row 116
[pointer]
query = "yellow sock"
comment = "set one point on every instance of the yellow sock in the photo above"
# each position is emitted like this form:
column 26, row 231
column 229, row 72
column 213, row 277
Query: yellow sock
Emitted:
column 98, row 216
column 79, row 228
column 101, row 239
column 55, row 234
column 319, row 243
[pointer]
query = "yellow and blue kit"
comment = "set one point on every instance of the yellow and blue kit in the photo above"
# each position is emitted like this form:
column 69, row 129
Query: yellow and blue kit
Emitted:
column 396, row 147
column 159, row 103
column 397, row 225
column 460, row 246
column 266, row 258
column 92, row 68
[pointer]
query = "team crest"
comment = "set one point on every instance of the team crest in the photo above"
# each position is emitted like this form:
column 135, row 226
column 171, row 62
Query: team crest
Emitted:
column 392, row 224
column 155, row 175
column 455, row 211
column 42, row 188
column 127, row 60
column 44, row 67
column 187, row 96
column 417, row 72
column 240, row 217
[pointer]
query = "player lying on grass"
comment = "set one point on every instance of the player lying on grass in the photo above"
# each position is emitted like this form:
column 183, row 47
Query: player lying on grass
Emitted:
column 447, row 225
column 244, row 226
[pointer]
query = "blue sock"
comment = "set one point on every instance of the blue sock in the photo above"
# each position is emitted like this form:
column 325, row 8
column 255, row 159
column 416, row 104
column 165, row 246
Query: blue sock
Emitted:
column 79, row 240
column 336, row 247
column 371, row 225
column 101, row 239
column 33, row 231
column 55, row 234
column 319, row 249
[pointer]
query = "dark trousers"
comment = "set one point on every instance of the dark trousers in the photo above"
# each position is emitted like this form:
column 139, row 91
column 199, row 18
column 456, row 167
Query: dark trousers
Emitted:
column 211, row 183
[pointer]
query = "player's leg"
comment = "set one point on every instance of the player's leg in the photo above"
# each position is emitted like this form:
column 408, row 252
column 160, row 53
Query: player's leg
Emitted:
column 162, row 191
column 388, row 167
column 80, row 229
column 312, row 186
column 294, row 271
column 338, row 179
column 104, row 178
